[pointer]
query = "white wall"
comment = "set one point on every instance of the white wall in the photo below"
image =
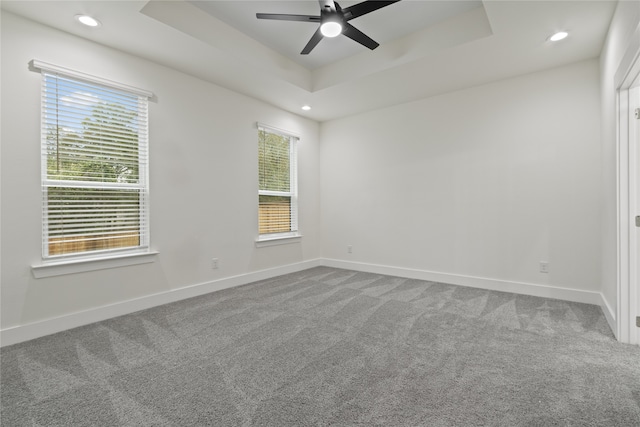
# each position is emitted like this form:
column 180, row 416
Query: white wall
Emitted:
column 203, row 153
column 625, row 20
column 482, row 183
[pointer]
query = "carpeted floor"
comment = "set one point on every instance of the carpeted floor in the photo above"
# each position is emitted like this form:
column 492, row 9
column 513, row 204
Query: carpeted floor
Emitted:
column 330, row 347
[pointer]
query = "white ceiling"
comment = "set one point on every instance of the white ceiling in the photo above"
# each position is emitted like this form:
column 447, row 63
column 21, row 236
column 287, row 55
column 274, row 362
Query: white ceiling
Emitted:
column 426, row 47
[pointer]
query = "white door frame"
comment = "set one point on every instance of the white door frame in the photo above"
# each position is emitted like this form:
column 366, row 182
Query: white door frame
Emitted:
column 628, row 252
column 634, row 190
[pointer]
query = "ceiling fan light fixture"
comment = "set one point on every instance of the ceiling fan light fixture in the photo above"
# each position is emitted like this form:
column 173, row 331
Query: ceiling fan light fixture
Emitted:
column 331, row 29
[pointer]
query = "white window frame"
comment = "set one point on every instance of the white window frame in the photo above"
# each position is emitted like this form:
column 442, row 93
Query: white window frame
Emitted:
column 105, row 258
column 294, row 235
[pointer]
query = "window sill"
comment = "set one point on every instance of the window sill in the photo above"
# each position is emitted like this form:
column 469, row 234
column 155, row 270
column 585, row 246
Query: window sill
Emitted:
column 62, row 267
column 278, row 240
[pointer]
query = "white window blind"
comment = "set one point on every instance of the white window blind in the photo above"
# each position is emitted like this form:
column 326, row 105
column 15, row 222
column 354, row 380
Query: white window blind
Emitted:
column 278, row 186
column 94, row 165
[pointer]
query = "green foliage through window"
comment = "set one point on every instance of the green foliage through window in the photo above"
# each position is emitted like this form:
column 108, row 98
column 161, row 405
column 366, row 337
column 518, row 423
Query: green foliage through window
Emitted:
column 274, row 161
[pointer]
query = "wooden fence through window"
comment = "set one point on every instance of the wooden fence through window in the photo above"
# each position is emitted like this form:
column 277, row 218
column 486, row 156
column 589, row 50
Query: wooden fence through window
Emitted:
column 274, row 217
column 89, row 243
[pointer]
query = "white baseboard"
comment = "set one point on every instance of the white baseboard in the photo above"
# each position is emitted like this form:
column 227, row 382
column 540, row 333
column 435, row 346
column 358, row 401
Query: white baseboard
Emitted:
column 41, row 328
column 566, row 294
column 609, row 314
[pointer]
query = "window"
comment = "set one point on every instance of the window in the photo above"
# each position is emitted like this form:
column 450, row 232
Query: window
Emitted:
column 94, row 165
column 277, row 192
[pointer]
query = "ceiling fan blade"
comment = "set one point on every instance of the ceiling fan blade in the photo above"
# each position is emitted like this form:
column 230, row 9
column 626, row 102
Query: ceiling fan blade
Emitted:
column 315, row 39
column 364, row 8
column 286, row 17
column 355, row 34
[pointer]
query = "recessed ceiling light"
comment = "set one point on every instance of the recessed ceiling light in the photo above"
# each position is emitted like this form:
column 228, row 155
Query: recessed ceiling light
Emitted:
column 306, row 107
column 87, row 20
column 559, row 36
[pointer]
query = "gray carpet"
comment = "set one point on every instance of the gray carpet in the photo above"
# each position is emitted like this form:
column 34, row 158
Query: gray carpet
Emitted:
column 330, row 347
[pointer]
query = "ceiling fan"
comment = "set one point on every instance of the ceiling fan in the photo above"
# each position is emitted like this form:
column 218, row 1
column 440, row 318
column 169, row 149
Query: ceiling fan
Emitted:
column 333, row 21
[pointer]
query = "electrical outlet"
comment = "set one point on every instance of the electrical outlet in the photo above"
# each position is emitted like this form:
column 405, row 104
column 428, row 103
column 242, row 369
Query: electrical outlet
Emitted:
column 214, row 263
column 544, row 267
column 349, row 249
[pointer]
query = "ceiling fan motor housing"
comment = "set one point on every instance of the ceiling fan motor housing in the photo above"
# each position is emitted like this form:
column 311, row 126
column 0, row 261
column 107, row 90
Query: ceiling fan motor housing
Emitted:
column 332, row 22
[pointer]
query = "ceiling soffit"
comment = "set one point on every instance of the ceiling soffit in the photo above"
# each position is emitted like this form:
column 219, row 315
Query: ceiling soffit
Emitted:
column 189, row 18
